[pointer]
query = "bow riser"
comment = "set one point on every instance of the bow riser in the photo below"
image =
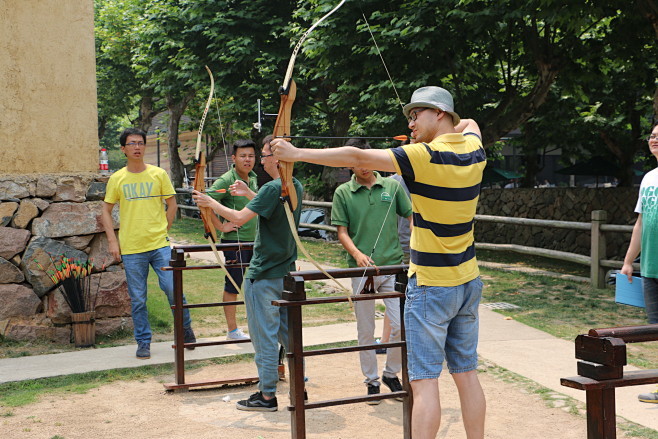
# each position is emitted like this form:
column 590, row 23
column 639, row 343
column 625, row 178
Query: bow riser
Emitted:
column 282, row 128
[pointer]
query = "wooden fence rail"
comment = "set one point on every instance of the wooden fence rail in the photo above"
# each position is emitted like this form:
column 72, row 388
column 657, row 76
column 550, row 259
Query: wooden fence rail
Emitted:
column 596, row 260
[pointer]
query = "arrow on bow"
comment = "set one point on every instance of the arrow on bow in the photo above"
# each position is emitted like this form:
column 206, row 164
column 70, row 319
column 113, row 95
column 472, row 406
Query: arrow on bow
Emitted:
column 199, row 185
column 288, row 92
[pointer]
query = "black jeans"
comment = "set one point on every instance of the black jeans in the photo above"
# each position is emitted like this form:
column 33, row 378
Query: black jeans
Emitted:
column 650, row 289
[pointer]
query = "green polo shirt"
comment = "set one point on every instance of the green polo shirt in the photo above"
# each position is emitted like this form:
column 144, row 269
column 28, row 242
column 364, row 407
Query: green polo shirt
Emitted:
column 275, row 249
column 247, row 232
column 363, row 210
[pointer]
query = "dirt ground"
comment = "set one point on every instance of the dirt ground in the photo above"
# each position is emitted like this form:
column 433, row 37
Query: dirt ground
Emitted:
column 143, row 409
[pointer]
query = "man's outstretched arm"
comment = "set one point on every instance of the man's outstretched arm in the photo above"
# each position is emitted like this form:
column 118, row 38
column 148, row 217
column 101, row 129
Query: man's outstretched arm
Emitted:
column 343, row 157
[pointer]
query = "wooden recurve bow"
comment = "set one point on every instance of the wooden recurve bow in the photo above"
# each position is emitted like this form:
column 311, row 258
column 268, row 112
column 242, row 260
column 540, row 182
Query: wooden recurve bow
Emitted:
column 199, row 185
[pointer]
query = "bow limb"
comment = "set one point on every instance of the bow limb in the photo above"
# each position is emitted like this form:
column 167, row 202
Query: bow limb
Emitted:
column 199, row 184
column 288, row 92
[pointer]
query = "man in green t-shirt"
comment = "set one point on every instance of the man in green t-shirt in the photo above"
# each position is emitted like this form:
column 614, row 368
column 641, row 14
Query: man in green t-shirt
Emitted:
column 364, row 211
column 244, row 157
column 275, row 253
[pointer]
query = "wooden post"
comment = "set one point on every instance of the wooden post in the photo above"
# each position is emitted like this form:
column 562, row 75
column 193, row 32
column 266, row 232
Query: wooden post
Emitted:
column 598, row 250
column 601, row 417
column 178, row 260
column 401, row 281
column 294, row 289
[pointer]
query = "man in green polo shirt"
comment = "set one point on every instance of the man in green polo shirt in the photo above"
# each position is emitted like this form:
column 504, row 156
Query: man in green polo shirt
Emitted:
column 244, row 157
column 275, row 253
column 364, row 211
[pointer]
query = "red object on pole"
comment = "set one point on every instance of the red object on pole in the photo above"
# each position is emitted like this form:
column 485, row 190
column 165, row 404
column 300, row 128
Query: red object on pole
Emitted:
column 104, row 166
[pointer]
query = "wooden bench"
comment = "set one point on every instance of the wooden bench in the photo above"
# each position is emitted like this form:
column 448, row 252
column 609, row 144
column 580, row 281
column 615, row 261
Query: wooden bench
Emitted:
column 602, row 357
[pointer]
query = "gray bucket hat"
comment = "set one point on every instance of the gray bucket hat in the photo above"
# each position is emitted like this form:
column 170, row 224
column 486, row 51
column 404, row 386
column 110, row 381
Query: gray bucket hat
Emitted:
column 432, row 97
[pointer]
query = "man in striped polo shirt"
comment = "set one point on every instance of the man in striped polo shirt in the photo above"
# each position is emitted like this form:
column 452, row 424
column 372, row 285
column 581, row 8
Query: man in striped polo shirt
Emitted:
column 443, row 171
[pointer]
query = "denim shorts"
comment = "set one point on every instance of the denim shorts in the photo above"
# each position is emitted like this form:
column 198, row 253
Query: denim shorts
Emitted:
column 441, row 323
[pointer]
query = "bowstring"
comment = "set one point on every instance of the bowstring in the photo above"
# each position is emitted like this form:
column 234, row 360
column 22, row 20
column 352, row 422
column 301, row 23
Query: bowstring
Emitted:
column 221, row 132
column 397, row 187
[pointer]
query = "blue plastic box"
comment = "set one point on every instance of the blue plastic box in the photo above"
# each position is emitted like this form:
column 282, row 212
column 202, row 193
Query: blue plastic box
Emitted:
column 629, row 293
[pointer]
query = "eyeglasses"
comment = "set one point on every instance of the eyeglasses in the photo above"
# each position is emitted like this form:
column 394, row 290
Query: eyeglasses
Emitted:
column 133, row 144
column 266, row 155
column 413, row 115
column 652, row 137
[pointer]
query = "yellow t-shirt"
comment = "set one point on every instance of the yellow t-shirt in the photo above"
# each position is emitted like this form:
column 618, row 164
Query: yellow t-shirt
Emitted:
column 444, row 179
column 143, row 222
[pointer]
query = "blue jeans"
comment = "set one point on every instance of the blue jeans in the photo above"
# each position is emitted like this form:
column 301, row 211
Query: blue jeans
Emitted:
column 441, row 323
column 137, row 271
column 268, row 326
column 650, row 289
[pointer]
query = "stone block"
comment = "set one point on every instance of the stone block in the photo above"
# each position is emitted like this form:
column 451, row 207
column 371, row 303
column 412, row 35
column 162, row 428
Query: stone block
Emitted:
column 96, row 191
column 26, row 332
column 43, row 251
column 10, row 273
column 41, row 203
column 57, row 310
column 12, row 241
column 46, row 186
column 113, row 325
column 7, row 210
column 72, row 188
column 26, row 212
column 18, row 300
column 78, row 242
column 71, row 219
column 15, row 187
column 99, row 252
column 113, row 299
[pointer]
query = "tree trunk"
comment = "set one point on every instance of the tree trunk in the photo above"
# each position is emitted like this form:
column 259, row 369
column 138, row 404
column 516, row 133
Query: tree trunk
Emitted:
column 146, row 113
column 341, row 125
column 176, row 110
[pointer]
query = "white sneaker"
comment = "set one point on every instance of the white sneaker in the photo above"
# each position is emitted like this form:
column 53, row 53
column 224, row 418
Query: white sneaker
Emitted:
column 237, row 334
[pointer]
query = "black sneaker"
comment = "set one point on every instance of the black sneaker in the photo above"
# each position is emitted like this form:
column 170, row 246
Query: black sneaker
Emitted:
column 189, row 337
column 393, row 383
column 143, row 350
column 373, row 390
column 257, row 403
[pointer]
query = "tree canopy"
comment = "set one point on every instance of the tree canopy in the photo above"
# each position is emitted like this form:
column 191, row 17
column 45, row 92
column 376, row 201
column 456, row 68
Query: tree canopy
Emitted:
column 579, row 76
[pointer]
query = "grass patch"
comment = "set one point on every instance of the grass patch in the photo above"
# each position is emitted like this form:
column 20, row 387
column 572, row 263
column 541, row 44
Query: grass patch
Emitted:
column 565, row 308
column 539, row 262
column 20, row 393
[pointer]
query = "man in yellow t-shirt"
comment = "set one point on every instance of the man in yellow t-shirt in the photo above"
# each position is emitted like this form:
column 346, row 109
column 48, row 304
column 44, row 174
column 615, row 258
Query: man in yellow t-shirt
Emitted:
column 143, row 232
column 443, row 171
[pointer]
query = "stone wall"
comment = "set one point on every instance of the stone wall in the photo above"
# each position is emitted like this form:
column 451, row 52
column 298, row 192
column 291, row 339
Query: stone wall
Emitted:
column 564, row 204
column 43, row 217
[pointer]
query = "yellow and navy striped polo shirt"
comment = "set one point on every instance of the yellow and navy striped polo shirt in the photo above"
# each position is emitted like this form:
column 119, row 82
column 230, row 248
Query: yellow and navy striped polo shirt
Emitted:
column 444, row 179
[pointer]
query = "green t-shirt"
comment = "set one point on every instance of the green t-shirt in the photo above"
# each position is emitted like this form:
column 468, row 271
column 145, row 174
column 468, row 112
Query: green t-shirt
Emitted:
column 247, row 232
column 275, row 250
column 363, row 210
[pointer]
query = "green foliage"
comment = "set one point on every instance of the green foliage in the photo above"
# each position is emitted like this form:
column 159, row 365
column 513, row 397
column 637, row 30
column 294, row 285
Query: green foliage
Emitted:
column 577, row 75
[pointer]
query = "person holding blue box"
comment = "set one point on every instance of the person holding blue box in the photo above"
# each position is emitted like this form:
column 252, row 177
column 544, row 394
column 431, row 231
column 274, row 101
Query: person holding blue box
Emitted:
column 645, row 239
